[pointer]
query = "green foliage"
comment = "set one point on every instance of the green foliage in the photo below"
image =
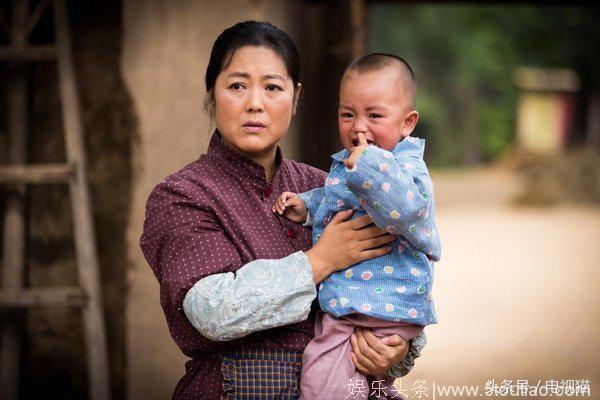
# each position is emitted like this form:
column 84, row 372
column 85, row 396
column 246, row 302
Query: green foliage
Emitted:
column 464, row 57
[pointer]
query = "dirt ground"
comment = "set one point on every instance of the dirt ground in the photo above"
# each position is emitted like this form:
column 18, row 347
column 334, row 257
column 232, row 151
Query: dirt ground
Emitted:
column 516, row 293
column 516, row 290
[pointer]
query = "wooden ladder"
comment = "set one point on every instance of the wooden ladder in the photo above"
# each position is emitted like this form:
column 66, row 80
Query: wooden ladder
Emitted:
column 14, row 297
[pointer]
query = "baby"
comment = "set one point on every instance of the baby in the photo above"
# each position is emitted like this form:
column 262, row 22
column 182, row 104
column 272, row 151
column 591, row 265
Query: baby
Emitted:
column 380, row 172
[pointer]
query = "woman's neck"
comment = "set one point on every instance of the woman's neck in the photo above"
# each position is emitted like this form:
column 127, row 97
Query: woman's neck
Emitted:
column 268, row 162
column 267, row 159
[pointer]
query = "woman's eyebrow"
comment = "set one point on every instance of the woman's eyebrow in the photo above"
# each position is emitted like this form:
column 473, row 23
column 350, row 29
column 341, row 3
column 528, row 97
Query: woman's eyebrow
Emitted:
column 274, row 76
column 237, row 74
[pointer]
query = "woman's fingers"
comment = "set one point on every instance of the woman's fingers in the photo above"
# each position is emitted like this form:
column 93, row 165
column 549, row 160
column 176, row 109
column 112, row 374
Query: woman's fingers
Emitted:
column 361, row 363
column 368, row 254
column 376, row 344
column 359, row 367
column 342, row 216
column 388, row 354
column 351, row 242
column 370, row 232
column 377, row 242
column 397, row 347
column 365, row 355
column 365, row 346
column 374, row 355
column 360, row 222
column 393, row 340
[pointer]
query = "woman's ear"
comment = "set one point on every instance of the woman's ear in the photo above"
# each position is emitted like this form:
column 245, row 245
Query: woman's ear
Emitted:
column 410, row 121
column 209, row 104
column 296, row 97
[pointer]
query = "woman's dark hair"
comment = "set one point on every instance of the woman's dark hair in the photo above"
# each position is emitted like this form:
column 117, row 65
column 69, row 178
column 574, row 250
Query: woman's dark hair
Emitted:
column 249, row 33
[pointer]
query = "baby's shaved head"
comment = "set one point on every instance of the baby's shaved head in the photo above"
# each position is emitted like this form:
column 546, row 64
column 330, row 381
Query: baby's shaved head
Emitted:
column 379, row 61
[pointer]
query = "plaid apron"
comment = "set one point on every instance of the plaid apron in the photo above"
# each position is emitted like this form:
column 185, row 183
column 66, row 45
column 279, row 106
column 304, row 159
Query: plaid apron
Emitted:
column 261, row 374
column 250, row 374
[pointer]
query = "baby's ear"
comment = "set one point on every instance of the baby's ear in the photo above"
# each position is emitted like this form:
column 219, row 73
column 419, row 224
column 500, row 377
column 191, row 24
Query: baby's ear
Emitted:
column 410, row 121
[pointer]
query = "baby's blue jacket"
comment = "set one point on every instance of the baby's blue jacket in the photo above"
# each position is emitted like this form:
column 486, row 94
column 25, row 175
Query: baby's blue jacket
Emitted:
column 396, row 190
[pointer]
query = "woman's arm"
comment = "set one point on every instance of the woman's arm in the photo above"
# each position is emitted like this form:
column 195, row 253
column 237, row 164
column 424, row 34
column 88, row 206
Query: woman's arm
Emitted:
column 263, row 294
column 184, row 244
column 205, row 288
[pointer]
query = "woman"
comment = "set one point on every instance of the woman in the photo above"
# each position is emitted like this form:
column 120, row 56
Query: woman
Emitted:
column 245, row 331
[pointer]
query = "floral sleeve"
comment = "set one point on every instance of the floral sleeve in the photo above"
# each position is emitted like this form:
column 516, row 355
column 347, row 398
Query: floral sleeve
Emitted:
column 262, row 294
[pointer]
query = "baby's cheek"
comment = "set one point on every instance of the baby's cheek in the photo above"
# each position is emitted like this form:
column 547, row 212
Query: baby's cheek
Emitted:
column 345, row 130
column 386, row 137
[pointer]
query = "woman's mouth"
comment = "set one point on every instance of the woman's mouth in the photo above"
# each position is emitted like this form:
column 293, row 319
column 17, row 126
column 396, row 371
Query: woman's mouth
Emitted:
column 253, row 126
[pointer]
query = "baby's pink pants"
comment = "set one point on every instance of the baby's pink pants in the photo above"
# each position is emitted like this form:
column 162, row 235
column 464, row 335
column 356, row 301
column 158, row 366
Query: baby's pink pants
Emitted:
column 328, row 372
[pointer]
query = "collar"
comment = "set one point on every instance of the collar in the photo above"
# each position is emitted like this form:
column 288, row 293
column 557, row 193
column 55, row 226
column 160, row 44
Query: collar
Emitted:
column 236, row 163
column 411, row 146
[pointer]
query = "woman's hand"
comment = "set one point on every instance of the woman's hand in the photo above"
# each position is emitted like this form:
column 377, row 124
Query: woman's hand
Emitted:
column 344, row 243
column 372, row 355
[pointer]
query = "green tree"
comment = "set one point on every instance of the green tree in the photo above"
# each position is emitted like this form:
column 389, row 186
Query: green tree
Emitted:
column 465, row 56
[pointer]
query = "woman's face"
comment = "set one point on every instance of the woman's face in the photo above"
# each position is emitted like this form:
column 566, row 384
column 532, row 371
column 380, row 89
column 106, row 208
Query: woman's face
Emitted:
column 254, row 102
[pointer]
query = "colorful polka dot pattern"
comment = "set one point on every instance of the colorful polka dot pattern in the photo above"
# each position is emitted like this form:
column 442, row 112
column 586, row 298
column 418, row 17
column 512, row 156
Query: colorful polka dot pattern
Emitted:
column 395, row 189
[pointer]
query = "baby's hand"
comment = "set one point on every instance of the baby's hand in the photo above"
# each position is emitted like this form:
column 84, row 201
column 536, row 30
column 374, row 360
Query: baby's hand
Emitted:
column 357, row 151
column 292, row 206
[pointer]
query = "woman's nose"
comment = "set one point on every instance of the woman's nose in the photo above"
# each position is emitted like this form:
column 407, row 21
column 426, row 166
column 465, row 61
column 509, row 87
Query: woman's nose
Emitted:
column 255, row 103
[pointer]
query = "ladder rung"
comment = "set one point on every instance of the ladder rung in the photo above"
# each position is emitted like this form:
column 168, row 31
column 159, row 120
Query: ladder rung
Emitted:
column 40, row 173
column 27, row 53
column 34, row 297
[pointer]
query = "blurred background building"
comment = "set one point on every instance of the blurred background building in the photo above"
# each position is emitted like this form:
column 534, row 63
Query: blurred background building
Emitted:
column 509, row 98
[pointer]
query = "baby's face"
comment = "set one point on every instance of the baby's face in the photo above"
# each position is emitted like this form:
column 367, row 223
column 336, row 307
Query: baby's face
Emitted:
column 373, row 103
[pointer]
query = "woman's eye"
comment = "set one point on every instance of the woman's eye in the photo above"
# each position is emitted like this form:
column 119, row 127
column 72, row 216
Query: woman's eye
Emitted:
column 236, row 86
column 273, row 88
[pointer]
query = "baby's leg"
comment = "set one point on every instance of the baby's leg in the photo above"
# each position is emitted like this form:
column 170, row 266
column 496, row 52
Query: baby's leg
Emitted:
column 327, row 369
column 328, row 372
